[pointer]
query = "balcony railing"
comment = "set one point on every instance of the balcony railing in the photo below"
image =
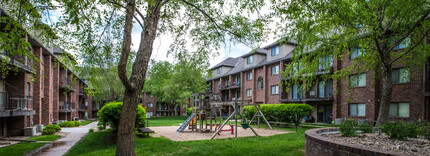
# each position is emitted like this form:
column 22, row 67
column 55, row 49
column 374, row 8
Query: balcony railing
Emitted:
column 67, row 106
column 67, row 84
column 15, row 101
column 19, row 61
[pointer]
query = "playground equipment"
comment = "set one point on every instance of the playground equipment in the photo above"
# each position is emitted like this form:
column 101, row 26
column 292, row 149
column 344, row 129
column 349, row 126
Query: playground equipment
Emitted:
column 209, row 108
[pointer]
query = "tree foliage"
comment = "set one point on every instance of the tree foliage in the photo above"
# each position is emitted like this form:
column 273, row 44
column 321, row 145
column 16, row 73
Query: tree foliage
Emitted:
column 330, row 28
column 175, row 83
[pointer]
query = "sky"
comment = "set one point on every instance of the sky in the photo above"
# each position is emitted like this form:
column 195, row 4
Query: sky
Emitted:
column 162, row 42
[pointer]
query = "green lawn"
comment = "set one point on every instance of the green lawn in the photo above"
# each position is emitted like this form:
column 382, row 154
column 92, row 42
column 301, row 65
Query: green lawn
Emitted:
column 101, row 143
column 167, row 121
column 24, row 147
column 86, row 122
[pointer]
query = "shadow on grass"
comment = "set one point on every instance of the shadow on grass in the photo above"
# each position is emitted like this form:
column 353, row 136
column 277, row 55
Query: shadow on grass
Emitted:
column 101, row 143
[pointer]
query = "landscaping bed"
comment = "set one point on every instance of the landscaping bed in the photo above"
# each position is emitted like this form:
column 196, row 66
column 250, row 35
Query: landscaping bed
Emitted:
column 411, row 146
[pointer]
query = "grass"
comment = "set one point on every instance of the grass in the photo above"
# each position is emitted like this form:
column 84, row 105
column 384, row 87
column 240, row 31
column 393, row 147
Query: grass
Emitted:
column 101, row 143
column 319, row 124
column 167, row 121
column 25, row 147
column 86, row 122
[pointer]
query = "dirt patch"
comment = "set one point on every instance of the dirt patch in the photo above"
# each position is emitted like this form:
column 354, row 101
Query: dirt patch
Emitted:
column 412, row 146
column 187, row 135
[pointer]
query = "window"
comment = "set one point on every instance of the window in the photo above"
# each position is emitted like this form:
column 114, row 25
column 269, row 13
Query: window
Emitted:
column 325, row 89
column 249, row 92
column 238, row 80
column 249, row 76
column 357, row 109
column 325, row 62
column 249, row 60
column 275, row 51
column 358, row 80
column 400, row 76
column 218, row 71
column 260, row 83
column 218, row 83
column 296, row 68
column 86, row 103
column 150, row 104
column 275, row 89
column 151, row 114
column 405, row 43
column 297, row 91
column 399, row 110
column 275, row 70
column 28, row 88
column 355, row 52
column 238, row 94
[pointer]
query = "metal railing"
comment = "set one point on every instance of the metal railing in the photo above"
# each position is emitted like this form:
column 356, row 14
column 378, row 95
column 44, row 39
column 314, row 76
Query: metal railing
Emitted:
column 66, row 83
column 15, row 101
column 67, row 106
column 19, row 60
column 82, row 106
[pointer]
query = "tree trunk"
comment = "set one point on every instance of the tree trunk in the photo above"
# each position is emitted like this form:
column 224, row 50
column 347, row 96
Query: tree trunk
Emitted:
column 386, row 92
column 176, row 110
column 125, row 143
column 134, row 84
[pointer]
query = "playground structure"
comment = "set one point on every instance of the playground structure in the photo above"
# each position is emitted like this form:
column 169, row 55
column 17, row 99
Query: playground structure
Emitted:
column 207, row 112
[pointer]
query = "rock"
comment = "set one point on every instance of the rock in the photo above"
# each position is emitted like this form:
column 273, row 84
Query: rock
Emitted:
column 414, row 150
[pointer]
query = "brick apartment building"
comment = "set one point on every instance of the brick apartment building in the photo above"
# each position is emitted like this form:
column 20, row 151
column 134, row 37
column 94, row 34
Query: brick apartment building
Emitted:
column 155, row 108
column 256, row 75
column 41, row 93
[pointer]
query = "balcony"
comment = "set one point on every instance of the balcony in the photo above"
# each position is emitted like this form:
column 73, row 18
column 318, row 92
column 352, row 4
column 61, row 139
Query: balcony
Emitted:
column 82, row 107
column 18, row 60
column 235, row 85
column 15, row 105
column 67, row 107
column 67, row 84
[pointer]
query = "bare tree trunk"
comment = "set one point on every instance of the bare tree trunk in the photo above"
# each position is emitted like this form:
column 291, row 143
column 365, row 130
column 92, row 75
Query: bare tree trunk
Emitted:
column 125, row 143
column 387, row 91
column 134, row 84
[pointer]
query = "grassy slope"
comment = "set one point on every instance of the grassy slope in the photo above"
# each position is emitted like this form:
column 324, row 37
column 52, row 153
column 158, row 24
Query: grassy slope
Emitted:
column 101, row 143
column 166, row 121
column 24, row 147
column 86, row 122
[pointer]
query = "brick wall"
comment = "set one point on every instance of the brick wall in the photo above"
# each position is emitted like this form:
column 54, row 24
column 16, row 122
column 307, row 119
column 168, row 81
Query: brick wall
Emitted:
column 38, row 86
column 55, row 89
column 271, row 81
column 315, row 144
column 146, row 98
column 47, row 101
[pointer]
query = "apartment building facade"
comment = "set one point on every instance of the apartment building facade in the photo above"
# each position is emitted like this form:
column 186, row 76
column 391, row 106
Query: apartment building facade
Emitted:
column 38, row 93
column 256, row 76
column 155, row 108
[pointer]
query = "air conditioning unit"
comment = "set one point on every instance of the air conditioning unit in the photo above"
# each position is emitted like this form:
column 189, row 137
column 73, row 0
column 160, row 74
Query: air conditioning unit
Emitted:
column 30, row 131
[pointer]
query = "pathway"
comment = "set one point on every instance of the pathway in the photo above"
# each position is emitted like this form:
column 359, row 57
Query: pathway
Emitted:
column 67, row 142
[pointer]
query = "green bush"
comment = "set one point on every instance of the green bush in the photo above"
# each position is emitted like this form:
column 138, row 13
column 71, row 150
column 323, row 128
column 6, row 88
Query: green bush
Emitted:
column 51, row 129
column 280, row 112
column 110, row 113
column 76, row 123
column 424, row 129
column 101, row 127
column 67, row 124
column 400, row 130
column 365, row 127
column 189, row 111
column 348, row 128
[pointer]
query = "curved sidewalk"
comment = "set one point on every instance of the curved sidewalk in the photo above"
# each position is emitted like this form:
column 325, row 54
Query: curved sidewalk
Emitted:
column 67, row 142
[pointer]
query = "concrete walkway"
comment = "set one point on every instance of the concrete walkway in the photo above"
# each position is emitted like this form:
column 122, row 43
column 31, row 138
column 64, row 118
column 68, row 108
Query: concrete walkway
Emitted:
column 61, row 146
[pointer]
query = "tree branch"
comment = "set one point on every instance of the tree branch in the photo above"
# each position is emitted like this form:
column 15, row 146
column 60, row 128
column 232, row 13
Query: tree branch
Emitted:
column 122, row 66
column 413, row 47
column 211, row 19
column 423, row 17
column 122, row 6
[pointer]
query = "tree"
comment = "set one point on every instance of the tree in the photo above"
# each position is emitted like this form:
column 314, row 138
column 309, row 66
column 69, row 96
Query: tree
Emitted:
column 205, row 23
column 329, row 28
column 175, row 84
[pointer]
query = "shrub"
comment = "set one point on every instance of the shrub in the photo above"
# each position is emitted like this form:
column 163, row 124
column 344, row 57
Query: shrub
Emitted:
column 365, row 127
column 76, row 123
column 347, row 128
column 101, row 127
column 91, row 131
column 110, row 113
column 280, row 112
column 400, row 130
column 67, row 124
column 51, row 129
column 424, row 129
column 189, row 111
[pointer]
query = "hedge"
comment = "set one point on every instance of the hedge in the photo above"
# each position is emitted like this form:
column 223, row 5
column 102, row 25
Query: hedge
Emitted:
column 110, row 113
column 279, row 112
column 51, row 129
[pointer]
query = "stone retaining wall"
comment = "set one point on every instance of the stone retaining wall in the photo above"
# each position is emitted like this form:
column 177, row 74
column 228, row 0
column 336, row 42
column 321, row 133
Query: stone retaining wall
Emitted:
column 317, row 145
